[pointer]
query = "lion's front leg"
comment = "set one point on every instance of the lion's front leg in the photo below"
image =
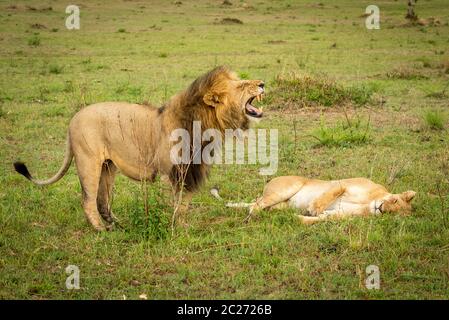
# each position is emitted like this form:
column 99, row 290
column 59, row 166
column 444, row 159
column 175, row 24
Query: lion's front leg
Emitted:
column 338, row 214
column 320, row 204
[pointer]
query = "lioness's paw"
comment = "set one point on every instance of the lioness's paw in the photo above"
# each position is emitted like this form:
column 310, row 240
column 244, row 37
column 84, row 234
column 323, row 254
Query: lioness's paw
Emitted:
column 313, row 211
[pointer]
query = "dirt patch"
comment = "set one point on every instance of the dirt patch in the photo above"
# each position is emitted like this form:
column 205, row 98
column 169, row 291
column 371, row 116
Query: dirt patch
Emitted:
column 38, row 26
column 230, row 21
column 42, row 9
column 276, row 41
column 444, row 66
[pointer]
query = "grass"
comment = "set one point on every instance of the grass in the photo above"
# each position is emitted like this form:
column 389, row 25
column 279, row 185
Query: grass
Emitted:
column 434, row 119
column 34, row 41
column 149, row 215
column 303, row 90
column 405, row 72
column 55, row 69
column 43, row 230
column 345, row 134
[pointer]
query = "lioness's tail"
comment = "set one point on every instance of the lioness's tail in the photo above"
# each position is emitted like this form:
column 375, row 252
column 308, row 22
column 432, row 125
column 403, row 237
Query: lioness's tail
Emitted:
column 23, row 170
column 214, row 192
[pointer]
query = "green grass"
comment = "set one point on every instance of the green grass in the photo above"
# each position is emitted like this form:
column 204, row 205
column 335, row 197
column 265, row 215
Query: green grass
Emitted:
column 34, row 41
column 55, row 69
column 434, row 119
column 344, row 134
column 164, row 48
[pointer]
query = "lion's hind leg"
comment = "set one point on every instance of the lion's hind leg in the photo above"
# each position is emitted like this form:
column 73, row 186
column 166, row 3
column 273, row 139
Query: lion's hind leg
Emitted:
column 89, row 172
column 276, row 194
column 104, row 197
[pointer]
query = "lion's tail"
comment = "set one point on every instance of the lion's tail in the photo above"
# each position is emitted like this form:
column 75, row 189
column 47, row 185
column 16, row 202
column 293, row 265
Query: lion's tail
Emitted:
column 214, row 192
column 23, row 170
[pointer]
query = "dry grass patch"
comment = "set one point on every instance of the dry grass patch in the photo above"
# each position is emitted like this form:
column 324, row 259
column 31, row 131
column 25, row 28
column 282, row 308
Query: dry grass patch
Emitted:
column 405, row 73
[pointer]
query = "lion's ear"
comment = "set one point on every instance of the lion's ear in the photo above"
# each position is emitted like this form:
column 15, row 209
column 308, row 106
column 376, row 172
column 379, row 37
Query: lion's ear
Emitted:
column 408, row 195
column 212, row 99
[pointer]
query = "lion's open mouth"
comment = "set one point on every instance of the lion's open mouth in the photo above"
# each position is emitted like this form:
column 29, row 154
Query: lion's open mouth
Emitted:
column 251, row 110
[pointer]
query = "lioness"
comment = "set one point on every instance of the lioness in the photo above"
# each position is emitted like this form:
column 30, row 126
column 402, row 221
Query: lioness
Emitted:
column 330, row 199
column 108, row 137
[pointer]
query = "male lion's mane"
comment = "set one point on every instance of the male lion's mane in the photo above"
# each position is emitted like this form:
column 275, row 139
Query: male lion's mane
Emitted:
column 190, row 105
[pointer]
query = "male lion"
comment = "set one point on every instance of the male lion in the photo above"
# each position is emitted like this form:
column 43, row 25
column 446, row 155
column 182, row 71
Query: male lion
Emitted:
column 329, row 199
column 135, row 139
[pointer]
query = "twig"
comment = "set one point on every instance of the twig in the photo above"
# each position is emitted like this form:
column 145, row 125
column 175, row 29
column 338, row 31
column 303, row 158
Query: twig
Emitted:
column 442, row 203
column 296, row 135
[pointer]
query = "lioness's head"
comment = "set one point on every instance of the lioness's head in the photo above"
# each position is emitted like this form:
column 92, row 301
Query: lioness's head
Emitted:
column 229, row 99
column 399, row 203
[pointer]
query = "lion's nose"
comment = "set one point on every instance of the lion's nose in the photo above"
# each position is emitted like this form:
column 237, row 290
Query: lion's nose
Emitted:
column 261, row 85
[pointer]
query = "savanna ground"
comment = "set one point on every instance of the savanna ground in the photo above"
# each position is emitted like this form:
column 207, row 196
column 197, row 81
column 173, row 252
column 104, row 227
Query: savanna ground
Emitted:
column 321, row 66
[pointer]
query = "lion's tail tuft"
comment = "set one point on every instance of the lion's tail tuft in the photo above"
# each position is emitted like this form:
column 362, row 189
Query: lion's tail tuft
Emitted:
column 21, row 168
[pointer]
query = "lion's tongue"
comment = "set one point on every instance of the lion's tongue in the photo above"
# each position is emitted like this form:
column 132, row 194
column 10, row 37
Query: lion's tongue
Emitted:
column 253, row 111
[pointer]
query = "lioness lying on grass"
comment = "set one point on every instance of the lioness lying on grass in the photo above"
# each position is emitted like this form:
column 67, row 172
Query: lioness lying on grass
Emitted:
column 330, row 199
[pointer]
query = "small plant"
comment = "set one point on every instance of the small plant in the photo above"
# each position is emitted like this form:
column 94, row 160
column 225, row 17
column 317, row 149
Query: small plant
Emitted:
column 43, row 94
column 55, row 69
column 411, row 15
column 163, row 55
column 148, row 214
column 434, row 119
column 362, row 94
column 344, row 134
column 244, row 75
column 34, row 41
column 80, row 95
column 121, row 30
column 4, row 96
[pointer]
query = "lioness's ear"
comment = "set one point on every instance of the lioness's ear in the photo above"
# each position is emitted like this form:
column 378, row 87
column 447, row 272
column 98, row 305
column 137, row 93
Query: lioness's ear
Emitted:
column 408, row 195
column 211, row 99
